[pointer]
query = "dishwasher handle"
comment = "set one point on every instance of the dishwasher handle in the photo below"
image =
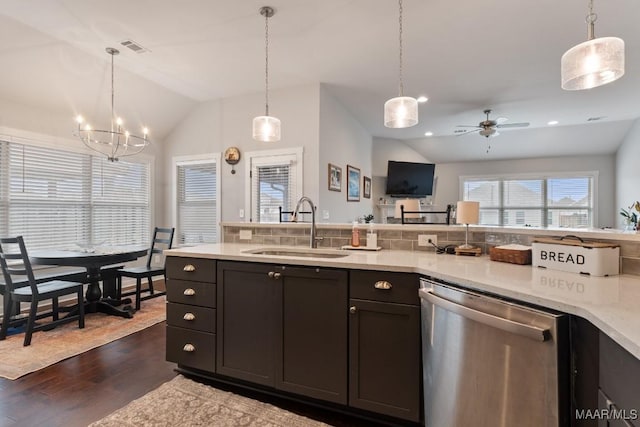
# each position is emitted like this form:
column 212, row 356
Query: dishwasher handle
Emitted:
column 529, row 331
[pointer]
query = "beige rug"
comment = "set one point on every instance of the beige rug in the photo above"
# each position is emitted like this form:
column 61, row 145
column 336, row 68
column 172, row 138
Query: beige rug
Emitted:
column 183, row 402
column 49, row 347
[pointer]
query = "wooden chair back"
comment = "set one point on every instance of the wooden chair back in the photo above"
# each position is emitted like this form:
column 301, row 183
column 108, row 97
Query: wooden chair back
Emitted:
column 162, row 239
column 15, row 264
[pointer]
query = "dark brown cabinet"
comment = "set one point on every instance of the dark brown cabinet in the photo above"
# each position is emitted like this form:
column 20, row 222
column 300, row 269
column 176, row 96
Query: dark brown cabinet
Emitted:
column 384, row 344
column 619, row 385
column 246, row 319
column 284, row 327
column 312, row 342
column 191, row 314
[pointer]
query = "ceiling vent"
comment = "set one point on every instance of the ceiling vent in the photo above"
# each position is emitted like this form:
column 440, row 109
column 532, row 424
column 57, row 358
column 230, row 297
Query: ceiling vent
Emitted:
column 134, row 46
column 595, row 119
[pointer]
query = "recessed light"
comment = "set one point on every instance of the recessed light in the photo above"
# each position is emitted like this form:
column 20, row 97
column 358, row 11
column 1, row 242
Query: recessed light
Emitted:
column 422, row 99
column 552, row 122
column 428, row 133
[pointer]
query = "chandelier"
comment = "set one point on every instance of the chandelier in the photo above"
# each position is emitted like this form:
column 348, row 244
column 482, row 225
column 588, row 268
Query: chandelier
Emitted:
column 401, row 111
column 266, row 128
column 116, row 142
column 593, row 63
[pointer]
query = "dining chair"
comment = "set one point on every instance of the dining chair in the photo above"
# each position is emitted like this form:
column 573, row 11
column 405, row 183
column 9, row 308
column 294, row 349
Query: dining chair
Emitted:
column 21, row 286
column 162, row 239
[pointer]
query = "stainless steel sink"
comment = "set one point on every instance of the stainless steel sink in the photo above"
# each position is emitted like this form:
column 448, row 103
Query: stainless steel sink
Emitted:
column 306, row 253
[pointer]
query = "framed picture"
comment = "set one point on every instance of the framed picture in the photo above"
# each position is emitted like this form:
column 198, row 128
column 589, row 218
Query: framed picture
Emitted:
column 353, row 184
column 335, row 178
column 366, row 187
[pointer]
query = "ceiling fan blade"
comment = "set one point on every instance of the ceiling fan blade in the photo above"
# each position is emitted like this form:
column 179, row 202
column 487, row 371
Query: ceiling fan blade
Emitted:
column 513, row 125
column 468, row 126
column 468, row 132
column 501, row 120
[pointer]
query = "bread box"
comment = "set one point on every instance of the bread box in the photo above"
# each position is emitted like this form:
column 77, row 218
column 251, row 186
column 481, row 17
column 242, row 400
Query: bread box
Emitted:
column 576, row 255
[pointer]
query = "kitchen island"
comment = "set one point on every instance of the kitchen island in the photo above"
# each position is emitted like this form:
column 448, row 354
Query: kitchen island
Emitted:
column 608, row 303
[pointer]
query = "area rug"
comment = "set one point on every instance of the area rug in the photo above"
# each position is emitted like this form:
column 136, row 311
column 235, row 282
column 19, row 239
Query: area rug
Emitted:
column 183, row 402
column 49, row 347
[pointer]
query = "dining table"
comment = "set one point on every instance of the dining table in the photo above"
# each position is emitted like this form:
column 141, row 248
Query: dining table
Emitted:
column 94, row 260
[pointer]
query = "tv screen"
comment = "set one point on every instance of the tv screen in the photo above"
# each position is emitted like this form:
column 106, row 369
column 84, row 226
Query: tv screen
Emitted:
column 410, row 179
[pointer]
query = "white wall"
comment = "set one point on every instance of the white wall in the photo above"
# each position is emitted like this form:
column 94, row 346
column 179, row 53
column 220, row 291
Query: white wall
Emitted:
column 343, row 141
column 215, row 125
column 448, row 177
column 628, row 171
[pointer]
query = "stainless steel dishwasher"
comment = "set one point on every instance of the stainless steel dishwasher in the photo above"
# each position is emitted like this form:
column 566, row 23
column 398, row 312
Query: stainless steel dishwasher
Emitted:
column 491, row 362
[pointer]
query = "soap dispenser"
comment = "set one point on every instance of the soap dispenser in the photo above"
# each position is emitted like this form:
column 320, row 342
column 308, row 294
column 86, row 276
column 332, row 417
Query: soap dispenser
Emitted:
column 372, row 237
column 355, row 235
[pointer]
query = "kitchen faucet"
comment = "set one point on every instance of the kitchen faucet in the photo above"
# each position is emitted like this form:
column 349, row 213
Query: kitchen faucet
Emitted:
column 314, row 240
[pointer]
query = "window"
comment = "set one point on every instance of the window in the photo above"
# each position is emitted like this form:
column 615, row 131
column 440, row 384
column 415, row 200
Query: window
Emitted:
column 59, row 199
column 547, row 201
column 274, row 181
column 197, row 212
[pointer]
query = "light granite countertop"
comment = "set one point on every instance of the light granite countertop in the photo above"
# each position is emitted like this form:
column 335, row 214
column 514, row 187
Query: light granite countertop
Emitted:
column 611, row 303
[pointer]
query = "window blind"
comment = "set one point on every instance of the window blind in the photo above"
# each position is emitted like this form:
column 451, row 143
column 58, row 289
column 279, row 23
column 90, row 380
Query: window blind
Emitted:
column 273, row 189
column 197, row 203
column 4, row 178
column 120, row 202
column 48, row 196
column 59, row 199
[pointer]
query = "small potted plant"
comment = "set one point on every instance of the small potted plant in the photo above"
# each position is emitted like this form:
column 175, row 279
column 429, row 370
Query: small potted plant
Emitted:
column 631, row 216
column 368, row 218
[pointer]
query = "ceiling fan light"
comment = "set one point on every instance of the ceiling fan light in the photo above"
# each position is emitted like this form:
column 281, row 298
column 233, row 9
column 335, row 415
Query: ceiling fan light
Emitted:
column 266, row 129
column 401, row 112
column 593, row 63
column 489, row 131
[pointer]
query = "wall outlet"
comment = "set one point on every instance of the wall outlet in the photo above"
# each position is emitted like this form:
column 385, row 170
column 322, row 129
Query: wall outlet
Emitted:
column 427, row 239
column 245, row 234
column 325, row 214
column 241, row 213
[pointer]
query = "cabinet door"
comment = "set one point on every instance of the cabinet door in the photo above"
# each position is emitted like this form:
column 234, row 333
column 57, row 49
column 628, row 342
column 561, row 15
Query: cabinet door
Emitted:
column 246, row 322
column 385, row 358
column 312, row 343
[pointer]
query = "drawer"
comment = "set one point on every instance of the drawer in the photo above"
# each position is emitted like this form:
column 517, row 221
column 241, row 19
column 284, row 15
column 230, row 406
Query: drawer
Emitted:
column 191, row 317
column 404, row 286
column 191, row 348
column 196, row 269
column 192, row 293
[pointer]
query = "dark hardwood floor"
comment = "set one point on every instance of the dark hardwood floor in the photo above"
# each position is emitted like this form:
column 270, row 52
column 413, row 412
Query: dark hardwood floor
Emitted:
column 87, row 387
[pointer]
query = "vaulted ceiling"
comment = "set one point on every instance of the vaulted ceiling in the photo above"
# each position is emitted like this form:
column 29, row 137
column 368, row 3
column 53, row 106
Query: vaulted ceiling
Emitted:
column 464, row 55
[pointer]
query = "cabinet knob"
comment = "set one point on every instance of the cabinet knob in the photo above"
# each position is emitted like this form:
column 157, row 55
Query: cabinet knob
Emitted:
column 383, row 284
column 189, row 316
column 353, row 309
column 189, row 268
column 189, row 292
column 277, row 275
column 189, row 348
column 270, row 274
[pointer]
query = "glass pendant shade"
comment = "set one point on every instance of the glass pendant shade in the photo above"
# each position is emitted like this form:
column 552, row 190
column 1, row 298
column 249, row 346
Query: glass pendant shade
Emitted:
column 593, row 63
column 266, row 129
column 401, row 112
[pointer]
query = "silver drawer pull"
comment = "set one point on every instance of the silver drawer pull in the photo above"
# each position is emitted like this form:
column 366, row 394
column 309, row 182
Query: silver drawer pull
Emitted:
column 189, row 292
column 189, row 348
column 189, row 268
column 189, row 316
column 353, row 309
column 383, row 284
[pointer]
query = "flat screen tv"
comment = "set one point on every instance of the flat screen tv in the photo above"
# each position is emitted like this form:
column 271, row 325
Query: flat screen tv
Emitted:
column 410, row 179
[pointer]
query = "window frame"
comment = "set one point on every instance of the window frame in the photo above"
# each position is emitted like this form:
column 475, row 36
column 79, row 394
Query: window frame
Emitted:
column 195, row 159
column 271, row 157
column 544, row 176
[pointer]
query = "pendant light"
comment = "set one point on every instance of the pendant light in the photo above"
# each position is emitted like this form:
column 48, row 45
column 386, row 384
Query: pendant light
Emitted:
column 593, row 63
column 402, row 111
column 266, row 128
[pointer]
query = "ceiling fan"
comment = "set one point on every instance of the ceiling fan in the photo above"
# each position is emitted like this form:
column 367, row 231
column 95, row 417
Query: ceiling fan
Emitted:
column 490, row 127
